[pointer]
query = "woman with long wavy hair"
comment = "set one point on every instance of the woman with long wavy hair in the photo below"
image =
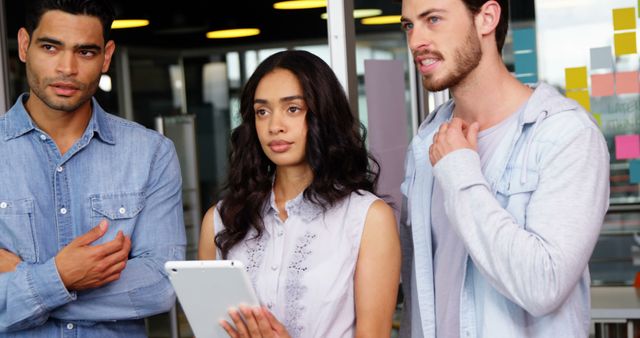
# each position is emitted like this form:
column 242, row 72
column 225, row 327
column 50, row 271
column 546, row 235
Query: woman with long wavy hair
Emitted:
column 300, row 210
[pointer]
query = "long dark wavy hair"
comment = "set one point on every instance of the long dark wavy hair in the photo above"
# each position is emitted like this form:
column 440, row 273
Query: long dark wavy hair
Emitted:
column 335, row 149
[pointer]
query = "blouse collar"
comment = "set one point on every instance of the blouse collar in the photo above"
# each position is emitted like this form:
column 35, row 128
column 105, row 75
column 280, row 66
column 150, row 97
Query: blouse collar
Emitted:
column 298, row 206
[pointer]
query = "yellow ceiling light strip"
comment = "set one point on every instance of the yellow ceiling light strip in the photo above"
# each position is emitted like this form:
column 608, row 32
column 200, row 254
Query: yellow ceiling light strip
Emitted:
column 129, row 23
column 233, row 33
column 360, row 13
column 300, row 4
column 381, row 20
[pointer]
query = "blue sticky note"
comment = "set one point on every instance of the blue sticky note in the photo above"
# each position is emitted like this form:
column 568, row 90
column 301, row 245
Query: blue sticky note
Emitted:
column 601, row 58
column 634, row 171
column 527, row 78
column 524, row 39
column 526, row 63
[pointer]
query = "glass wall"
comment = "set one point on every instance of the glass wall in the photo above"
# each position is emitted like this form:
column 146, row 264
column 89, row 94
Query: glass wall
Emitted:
column 588, row 50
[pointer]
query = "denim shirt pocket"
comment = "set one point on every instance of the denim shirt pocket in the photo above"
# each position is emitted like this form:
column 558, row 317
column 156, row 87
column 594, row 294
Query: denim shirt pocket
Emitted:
column 514, row 194
column 119, row 209
column 16, row 226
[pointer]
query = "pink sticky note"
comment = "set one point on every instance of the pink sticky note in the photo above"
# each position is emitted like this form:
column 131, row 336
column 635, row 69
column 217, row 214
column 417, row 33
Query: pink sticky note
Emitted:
column 627, row 147
column 627, row 83
column 602, row 85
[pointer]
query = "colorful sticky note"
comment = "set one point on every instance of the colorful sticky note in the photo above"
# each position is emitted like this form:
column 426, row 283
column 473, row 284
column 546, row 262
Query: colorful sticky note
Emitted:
column 627, row 83
column 576, row 78
column 582, row 96
column 624, row 18
column 627, row 146
column 527, row 78
column 625, row 43
column 526, row 63
column 598, row 119
column 601, row 58
column 634, row 171
column 524, row 39
column 602, row 85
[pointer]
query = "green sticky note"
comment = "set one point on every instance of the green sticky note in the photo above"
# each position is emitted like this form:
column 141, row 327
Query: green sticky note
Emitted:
column 598, row 119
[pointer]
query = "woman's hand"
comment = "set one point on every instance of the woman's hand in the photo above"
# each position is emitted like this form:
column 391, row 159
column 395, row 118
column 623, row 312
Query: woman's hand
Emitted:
column 254, row 322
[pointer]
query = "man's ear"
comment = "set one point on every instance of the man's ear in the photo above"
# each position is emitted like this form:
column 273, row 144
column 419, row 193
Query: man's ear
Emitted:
column 109, row 49
column 488, row 17
column 23, row 44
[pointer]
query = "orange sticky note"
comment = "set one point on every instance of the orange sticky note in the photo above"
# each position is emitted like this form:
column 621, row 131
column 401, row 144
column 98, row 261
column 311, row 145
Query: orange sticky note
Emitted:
column 576, row 78
column 624, row 18
column 602, row 85
column 625, row 43
column 627, row 83
column 582, row 96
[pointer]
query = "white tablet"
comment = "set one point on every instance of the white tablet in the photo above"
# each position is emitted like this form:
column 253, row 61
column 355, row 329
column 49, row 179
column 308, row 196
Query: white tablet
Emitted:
column 207, row 289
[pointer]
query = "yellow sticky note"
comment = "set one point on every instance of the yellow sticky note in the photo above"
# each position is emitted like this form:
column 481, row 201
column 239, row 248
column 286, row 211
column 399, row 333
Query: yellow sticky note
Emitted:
column 576, row 78
column 625, row 43
column 582, row 96
column 624, row 18
column 598, row 119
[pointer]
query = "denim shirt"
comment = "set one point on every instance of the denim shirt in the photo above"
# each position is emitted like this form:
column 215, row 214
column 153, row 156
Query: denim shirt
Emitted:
column 529, row 224
column 118, row 171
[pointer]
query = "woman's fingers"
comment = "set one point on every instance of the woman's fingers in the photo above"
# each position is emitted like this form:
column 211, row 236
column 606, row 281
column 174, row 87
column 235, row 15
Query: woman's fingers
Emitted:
column 239, row 324
column 250, row 322
column 229, row 329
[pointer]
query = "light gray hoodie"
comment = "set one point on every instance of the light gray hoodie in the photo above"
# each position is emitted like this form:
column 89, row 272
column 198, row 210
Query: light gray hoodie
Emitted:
column 529, row 225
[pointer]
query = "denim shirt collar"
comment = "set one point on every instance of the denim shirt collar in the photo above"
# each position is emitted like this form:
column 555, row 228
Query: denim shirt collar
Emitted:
column 19, row 123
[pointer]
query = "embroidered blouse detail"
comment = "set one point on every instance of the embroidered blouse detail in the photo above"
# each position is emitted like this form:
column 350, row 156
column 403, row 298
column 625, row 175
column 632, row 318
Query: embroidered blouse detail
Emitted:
column 303, row 268
column 295, row 288
column 254, row 248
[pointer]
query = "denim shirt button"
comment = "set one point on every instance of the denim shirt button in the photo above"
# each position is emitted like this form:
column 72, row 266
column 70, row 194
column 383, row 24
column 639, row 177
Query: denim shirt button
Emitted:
column 70, row 326
column 43, row 137
column 3, row 205
column 122, row 210
column 59, row 169
column 63, row 211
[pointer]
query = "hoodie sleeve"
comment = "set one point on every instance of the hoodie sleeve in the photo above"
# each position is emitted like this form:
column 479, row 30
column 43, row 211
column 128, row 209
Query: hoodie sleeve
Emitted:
column 538, row 261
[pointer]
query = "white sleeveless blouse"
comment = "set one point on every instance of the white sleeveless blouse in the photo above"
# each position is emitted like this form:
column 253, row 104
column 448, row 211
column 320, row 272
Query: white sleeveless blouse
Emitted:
column 303, row 269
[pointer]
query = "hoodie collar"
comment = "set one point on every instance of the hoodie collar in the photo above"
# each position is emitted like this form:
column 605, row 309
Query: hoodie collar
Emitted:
column 544, row 99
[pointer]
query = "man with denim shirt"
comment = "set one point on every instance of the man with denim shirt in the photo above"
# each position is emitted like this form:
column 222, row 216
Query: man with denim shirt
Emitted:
column 506, row 188
column 90, row 204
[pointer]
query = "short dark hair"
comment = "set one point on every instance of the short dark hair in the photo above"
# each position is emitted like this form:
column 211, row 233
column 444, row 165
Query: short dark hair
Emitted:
column 335, row 149
column 503, row 25
column 101, row 9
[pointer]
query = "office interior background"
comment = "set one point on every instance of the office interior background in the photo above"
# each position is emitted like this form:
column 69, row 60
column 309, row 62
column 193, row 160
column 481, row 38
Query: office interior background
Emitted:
column 169, row 76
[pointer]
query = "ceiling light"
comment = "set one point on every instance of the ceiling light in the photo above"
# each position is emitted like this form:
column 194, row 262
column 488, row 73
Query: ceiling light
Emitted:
column 118, row 24
column 300, row 4
column 381, row 20
column 359, row 13
column 233, row 33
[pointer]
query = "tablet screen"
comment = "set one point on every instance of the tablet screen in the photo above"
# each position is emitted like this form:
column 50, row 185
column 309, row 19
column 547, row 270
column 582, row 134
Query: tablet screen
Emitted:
column 207, row 289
